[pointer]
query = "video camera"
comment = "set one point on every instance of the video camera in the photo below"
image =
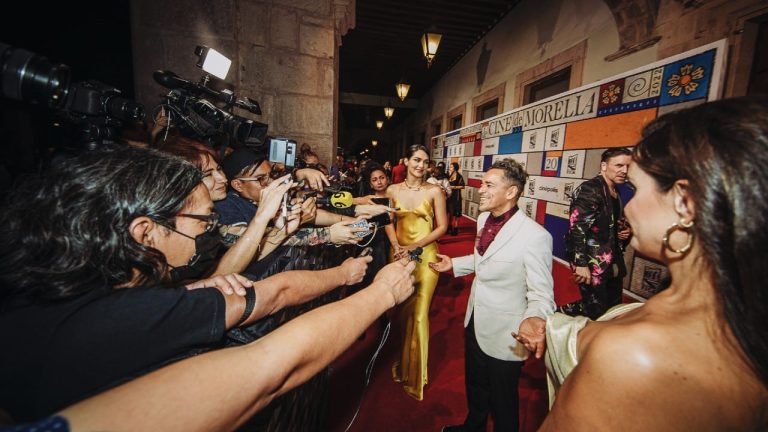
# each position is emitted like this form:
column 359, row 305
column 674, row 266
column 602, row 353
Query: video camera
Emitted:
column 192, row 106
column 96, row 110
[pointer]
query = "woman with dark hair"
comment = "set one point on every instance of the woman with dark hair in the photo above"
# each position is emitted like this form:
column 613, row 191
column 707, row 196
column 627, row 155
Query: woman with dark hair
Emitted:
column 376, row 183
column 201, row 156
column 454, row 201
column 695, row 356
column 420, row 220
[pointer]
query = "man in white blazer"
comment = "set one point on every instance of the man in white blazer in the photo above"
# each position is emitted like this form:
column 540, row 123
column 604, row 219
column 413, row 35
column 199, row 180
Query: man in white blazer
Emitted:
column 512, row 295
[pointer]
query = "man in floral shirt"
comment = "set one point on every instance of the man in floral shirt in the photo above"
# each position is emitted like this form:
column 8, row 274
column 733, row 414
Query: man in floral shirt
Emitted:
column 597, row 232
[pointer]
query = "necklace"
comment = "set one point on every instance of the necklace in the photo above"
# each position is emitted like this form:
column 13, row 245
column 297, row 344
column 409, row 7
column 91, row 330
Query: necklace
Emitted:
column 413, row 188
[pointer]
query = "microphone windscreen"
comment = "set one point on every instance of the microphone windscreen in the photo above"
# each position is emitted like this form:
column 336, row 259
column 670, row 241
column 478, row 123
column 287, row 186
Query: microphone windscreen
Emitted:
column 341, row 199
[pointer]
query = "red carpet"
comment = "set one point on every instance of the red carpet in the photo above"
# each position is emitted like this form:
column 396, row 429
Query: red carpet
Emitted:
column 385, row 406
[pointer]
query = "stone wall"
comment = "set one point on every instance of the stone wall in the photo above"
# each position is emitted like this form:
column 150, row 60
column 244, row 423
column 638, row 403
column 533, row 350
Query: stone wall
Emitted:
column 686, row 24
column 284, row 55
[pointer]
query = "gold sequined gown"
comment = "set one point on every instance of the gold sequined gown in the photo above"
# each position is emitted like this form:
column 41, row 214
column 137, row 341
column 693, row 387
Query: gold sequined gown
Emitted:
column 413, row 314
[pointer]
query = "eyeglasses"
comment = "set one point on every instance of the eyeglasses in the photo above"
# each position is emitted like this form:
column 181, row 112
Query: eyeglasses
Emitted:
column 212, row 220
column 262, row 179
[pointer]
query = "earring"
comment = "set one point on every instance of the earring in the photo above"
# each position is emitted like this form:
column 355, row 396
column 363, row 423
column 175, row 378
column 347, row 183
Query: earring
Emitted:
column 683, row 226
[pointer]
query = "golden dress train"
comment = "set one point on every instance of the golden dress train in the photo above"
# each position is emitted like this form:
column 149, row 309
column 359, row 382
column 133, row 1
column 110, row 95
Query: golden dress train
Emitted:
column 413, row 314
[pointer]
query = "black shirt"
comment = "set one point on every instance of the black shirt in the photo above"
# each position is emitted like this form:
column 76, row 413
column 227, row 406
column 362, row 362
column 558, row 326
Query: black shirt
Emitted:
column 56, row 354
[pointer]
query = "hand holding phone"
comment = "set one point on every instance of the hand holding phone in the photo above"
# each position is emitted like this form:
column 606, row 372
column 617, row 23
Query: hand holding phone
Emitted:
column 284, row 212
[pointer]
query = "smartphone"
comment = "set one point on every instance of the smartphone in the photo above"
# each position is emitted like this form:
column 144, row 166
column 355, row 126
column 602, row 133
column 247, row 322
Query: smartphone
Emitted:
column 382, row 201
column 381, row 219
column 282, row 150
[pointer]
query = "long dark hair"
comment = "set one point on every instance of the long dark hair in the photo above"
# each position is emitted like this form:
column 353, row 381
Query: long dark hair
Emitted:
column 67, row 232
column 367, row 173
column 455, row 167
column 721, row 148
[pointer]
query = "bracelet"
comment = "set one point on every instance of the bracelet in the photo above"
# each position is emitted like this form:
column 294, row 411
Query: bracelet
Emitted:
column 250, row 303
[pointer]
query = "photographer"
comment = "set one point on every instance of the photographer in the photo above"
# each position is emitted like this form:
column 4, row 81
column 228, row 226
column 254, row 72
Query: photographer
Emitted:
column 86, row 252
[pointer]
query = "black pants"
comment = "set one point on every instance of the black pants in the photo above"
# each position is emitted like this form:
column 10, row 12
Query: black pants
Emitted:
column 596, row 300
column 491, row 386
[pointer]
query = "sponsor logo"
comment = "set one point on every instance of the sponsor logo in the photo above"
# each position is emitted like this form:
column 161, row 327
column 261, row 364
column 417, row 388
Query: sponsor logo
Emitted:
column 554, row 138
column 531, row 186
column 572, row 161
column 651, row 279
column 567, row 190
column 532, row 141
column 529, row 208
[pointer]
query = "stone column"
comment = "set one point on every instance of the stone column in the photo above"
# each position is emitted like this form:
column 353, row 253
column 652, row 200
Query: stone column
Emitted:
column 284, row 55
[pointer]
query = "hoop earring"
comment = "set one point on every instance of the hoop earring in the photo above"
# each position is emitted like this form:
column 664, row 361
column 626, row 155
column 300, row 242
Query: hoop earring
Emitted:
column 683, row 226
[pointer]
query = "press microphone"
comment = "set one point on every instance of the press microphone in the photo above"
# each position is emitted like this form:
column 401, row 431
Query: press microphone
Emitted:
column 341, row 199
column 415, row 255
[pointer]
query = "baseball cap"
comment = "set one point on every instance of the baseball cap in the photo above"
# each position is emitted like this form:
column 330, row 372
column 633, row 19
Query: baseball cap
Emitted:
column 239, row 159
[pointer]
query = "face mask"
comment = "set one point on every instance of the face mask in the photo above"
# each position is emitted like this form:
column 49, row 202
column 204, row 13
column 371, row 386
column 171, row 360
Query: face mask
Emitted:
column 207, row 246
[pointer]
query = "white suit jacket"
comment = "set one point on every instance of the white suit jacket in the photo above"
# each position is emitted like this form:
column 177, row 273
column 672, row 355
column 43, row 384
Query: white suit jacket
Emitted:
column 513, row 281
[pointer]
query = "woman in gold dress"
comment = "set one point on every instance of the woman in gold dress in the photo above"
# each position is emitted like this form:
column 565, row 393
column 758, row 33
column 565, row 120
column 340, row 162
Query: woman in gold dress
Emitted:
column 420, row 220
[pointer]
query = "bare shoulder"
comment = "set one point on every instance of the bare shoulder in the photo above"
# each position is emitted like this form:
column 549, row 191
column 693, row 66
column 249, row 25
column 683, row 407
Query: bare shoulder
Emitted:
column 639, row 366
column 433, row 190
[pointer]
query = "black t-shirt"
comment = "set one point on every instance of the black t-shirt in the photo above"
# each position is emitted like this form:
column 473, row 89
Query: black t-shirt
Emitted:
column 56, row 354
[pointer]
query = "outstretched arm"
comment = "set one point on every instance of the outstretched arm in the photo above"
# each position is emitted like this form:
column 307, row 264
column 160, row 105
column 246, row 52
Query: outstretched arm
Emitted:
column 237, row 258
column 222, row 389
column 292, row 288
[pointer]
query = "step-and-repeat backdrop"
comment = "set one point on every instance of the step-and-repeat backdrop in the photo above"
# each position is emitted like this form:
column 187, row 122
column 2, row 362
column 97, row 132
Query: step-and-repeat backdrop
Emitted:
column 560, row 139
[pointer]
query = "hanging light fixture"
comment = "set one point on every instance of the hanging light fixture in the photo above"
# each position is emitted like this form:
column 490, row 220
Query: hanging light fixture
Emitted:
column 379, row 124
column 402, row 89
column 374, row 143
column 388, row 112
column 430, row 40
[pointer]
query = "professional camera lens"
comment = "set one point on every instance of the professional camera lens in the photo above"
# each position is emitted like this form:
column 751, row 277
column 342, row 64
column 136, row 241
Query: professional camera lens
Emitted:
column 124, row 109
column 29, row 77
